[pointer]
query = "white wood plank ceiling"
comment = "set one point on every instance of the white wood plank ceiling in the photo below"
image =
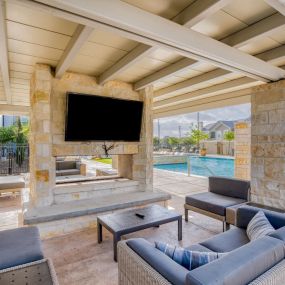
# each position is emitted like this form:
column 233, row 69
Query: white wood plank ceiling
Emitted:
column 194, row 52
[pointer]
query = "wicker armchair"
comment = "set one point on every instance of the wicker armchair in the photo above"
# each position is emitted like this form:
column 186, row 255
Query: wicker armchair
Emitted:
column 40, row 272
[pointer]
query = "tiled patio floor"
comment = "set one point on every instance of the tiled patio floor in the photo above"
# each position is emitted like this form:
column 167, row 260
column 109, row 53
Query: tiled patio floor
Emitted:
column 79, row 259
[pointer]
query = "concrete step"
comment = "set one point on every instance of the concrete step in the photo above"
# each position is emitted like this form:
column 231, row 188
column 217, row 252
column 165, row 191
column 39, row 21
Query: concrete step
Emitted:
column 65, row 193
column 92, row 206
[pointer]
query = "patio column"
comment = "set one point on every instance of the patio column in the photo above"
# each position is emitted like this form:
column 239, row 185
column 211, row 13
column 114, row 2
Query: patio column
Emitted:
column 42, row 164
column 143, row 161
column 242, row 150
column 268, row 145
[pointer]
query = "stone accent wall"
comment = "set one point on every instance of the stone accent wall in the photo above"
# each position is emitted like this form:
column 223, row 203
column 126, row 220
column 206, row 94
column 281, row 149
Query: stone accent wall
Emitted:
column 268, row 145
column 74, row 82
column 242, row 150
column 47, row 118
column 42, row 164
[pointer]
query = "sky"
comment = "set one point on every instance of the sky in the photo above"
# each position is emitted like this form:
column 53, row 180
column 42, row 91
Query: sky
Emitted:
column 170, row 126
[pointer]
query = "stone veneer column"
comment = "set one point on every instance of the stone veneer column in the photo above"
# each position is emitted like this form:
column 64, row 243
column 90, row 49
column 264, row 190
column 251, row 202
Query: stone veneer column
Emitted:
column 268, row 145
column 242, row 150
column 143, row 161
column 42, row 164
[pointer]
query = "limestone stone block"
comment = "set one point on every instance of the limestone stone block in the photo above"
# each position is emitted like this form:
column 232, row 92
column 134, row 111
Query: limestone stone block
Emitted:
column 275, row 168
column 42, row 175
column 257, row 150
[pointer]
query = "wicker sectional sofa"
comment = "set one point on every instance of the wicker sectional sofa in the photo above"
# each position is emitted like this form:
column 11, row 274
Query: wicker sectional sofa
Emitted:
column 260, row 262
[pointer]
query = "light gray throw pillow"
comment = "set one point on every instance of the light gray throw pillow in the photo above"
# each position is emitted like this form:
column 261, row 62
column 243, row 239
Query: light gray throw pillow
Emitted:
column 259, row 226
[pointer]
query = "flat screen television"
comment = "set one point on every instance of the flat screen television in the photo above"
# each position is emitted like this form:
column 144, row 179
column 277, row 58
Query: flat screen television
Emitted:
column 98, row 118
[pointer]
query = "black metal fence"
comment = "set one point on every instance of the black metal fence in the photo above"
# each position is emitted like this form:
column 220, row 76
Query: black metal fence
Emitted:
column 14, row 159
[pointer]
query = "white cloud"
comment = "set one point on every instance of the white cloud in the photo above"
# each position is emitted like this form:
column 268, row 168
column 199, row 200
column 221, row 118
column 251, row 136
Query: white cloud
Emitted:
column 170, row 126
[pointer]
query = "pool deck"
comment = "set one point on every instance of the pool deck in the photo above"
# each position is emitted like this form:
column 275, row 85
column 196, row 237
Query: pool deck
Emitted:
column 178, row 184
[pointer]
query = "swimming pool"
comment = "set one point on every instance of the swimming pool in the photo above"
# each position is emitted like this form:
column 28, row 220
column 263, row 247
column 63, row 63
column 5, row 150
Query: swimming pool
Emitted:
column 203, row 166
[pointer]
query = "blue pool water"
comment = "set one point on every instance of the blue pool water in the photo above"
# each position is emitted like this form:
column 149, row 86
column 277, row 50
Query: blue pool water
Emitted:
column 203, row 166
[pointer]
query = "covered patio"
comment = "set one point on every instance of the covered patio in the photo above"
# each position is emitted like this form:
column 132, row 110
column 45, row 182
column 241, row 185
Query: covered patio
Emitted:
column 171, row 57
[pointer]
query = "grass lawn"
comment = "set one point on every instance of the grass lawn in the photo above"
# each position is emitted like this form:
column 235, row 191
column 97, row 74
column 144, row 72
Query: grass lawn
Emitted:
column 104, row 160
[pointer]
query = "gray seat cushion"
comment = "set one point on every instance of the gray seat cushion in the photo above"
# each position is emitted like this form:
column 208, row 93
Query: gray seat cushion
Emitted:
column 19, row 246
column 227, row 241
column 212, row 202
column 169, row 269
column 241, row 266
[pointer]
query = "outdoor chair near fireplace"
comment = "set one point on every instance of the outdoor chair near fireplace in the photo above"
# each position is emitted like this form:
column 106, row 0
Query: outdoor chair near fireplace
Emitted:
column 69, row 167
column 223, row 193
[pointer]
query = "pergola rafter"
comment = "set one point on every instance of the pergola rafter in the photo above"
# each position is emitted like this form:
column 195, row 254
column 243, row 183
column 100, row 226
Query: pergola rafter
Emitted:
column 190, row 16
column 4, row 63
column 238, row 39
column 269, row 56
column 81, row 35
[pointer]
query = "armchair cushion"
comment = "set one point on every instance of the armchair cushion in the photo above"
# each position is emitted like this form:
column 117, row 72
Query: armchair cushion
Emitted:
column 246, row 213
column 227, row 241
column 169, row 269
column 237, row 267
column 212, row 202
column 231, row 187
column 19, row 246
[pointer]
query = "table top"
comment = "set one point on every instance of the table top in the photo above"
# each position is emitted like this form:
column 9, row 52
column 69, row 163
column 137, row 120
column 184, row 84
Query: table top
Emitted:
column 127, row 220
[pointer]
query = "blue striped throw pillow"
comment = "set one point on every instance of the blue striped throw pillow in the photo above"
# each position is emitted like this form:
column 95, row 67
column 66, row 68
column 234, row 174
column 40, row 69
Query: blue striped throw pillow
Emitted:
column 187, row 258
column 259, row 226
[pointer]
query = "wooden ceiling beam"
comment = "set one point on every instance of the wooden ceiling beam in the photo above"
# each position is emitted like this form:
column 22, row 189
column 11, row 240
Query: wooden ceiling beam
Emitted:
column 269, row 56
column 238, row 39
column 260, row 29
column 4, row 64
column 80, row 36
column 278, row 5
column 206, row 92
column 190, row 16
column 150, row 29
column 219, row 101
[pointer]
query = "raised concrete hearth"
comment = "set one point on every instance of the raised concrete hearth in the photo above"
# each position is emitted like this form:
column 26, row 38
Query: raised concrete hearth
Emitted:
column 72, row 216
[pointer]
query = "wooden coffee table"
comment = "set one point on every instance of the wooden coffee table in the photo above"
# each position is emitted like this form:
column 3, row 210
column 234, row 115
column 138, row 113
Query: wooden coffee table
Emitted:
column 127, row 222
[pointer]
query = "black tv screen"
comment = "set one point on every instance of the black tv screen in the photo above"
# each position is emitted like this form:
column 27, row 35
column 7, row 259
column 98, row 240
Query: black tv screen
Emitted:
column 98, row 118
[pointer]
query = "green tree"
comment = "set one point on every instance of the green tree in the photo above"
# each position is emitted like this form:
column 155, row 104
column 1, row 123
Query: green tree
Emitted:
column 156, row 141
column 21, row 138
column 187, row 142
column 7, row 134
column 229, row 136
column 197, row 136
column 173, row 142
